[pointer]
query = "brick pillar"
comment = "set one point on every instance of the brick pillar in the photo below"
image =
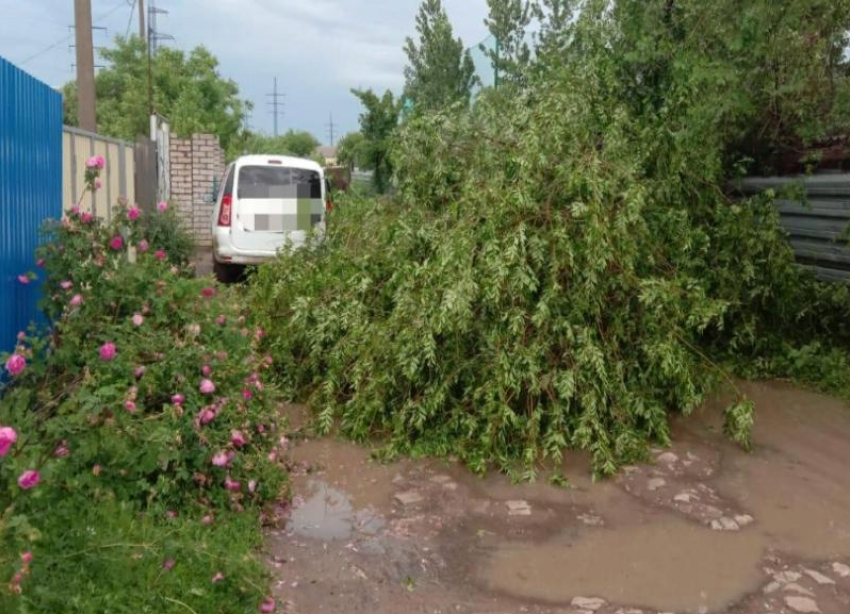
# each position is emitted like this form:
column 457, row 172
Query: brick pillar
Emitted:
column 196, row 164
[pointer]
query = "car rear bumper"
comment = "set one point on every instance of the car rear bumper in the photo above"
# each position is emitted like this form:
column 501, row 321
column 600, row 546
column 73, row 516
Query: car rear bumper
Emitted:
column 225, row 252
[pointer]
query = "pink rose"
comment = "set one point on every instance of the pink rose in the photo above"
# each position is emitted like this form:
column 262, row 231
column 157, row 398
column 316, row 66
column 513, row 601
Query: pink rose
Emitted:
column 87, row 218
column 268, row 606
column 40, row 263
column 26, row 557
column 144, row 246
column 232, row 485
column 108, row 351
column 130, row 407
column 273, row 455
column 168, row 564
column 261, row 429
column 140, row 372
column 247, row 394
column 207, row 416
column 97, row 162
column 22, row 336
column 8, row 437
column 117, row 243
column 178, row 399
column 24, row 279
column 172, row 514
column 95, row 471
column 206, row 387
column 97, row 184
column 138, row 319
column 159, row 254
column 16, row 364
column 218, row 577
column 237, row 438
column 252, row 486
column 62, row 450
column 208, row 292
column 133, row 214
column 76, row 300
column 66, row 285
column 29, row 479
column 221, row 320
column 221, row 459
column 162, row 207
column 206, row 370
column 207, row 520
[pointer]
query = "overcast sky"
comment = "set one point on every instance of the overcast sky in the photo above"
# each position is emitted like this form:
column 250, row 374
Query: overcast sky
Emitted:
column 318, row 49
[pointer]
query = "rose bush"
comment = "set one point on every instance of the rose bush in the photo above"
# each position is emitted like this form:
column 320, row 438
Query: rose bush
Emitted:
column 114, row 424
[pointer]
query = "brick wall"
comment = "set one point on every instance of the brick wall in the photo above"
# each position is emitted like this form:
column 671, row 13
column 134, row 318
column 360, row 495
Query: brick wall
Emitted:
column 196, row 163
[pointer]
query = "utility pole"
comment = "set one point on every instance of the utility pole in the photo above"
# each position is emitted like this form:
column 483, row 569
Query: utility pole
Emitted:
column 86, row 110
column 277, row 106
column 142, row 32
column 332, row 130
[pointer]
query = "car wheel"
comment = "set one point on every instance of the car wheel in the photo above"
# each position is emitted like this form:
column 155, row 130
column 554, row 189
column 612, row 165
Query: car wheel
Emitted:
column 227, row 273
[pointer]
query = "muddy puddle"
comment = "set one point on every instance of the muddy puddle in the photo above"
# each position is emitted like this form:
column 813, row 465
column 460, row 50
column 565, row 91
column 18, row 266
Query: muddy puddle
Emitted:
column 703, row 528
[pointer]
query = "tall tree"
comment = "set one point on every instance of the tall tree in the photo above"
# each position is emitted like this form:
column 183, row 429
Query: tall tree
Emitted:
column 187, row 89
column 508, row 22
column 439, row 71
column 556, row 25
column 378, row 121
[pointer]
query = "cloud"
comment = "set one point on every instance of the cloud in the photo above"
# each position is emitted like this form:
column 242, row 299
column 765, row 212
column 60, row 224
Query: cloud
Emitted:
column 318, row 49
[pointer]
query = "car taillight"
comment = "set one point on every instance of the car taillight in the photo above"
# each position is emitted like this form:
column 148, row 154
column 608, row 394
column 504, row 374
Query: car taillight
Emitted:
column 224, row 214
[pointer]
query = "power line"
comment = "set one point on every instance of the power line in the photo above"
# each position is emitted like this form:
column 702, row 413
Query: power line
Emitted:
column 277, row 106
column 65, row 39
column 130, row 19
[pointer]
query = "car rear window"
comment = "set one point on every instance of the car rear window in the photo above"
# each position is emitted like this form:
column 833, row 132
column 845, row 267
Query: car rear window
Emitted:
column 267, row 182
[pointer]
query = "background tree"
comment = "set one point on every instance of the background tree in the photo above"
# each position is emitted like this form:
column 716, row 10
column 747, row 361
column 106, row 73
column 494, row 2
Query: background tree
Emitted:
column 377, row 123
column 439, row 71
column 350, row 152
column 508, row 22
column 298, row 143
column 187, row 89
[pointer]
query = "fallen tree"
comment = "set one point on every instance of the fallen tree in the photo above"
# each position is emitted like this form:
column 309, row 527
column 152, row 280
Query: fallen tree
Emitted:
column 561, row 267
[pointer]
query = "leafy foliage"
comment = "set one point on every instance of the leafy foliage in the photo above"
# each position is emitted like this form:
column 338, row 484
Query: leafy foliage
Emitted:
column 145, row 433
column 378, row 121
column 186, row 88
column 439, row 72
column 562, row 266
column 351, row 150
column 508, row 22
column 299, row 143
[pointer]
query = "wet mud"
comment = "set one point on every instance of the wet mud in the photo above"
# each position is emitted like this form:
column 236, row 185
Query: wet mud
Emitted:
column 702, row 528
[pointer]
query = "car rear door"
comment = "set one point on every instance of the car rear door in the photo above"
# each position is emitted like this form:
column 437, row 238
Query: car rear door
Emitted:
column 276, row 203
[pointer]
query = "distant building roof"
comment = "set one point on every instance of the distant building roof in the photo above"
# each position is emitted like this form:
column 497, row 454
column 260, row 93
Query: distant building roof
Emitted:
column 328, row 152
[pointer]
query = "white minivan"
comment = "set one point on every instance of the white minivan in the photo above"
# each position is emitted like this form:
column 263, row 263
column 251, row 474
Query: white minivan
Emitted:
column 265, row 203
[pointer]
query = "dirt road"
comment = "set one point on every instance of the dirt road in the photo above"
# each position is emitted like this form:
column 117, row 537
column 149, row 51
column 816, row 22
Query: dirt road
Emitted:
column 704, row 528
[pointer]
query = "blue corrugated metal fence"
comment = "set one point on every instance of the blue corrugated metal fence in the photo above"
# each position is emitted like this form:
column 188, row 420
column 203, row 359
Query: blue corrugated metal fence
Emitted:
column 30, row 188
